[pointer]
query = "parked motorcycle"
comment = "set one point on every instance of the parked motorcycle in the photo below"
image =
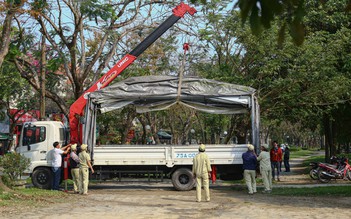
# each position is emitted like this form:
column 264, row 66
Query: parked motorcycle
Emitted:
column 314, row 170
column 327, row 172
column 315, row 166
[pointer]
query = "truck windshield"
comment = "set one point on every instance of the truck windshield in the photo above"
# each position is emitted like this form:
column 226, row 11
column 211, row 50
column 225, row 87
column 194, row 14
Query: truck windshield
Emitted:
column 32, row 135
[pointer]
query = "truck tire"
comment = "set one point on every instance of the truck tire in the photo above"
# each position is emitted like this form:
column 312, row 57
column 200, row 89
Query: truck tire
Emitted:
column 183, row 179
column 42, row 178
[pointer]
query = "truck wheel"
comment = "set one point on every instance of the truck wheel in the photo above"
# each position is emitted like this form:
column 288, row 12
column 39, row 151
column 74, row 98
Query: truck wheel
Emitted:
column 183, row 180
column 42, row 178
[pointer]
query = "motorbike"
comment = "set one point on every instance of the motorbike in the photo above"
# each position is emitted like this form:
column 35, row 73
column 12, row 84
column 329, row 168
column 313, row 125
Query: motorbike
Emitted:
column 315, row 166
column 328, row 172
column 314, row 170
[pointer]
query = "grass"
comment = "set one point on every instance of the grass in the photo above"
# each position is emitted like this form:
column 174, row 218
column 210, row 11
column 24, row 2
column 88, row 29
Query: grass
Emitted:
column 30, row 197
column 326, row 191
column 313, row 159
column 300, row 153
column 332, row 191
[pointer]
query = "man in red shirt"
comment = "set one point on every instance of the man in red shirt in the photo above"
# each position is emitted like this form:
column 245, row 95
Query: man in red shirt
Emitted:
column 276, row 158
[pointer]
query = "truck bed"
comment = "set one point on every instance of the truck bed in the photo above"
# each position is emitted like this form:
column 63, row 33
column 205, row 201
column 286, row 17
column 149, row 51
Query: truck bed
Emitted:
column 168, row 155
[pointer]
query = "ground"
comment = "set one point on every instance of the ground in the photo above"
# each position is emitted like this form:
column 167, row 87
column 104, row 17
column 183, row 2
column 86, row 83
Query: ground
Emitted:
column 160, row 200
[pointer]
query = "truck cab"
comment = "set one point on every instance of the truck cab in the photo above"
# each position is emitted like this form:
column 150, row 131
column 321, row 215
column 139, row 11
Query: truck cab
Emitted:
column 36, row 140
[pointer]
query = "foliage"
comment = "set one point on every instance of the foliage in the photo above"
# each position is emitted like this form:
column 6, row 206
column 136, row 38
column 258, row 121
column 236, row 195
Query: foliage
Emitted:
column 78, row 50
column 296, row 86
column 14, row 165
column 13, row 87
column 332, row 191
column 300, row 153
column 260, row 14
column 31, row 197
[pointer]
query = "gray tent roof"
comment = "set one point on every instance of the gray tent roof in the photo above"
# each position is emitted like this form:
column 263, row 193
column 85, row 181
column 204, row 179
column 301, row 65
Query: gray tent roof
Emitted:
column 152, row 93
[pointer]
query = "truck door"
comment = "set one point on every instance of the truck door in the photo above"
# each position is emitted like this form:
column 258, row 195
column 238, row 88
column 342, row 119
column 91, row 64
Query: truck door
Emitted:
column 34, row 142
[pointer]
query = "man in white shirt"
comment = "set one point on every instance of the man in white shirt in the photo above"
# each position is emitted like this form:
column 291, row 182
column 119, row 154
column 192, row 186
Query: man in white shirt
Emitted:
column 56, row 163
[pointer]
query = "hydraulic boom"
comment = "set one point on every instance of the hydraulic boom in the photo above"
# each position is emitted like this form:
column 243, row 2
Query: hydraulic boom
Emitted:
column 77, row 108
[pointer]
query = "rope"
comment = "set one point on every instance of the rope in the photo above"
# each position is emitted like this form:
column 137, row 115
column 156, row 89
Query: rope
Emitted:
column 185, row 48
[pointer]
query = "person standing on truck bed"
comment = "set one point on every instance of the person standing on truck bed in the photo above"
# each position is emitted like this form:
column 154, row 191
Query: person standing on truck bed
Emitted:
column 201, row 170
column 74, row 163
column 249, row 166
column 56, row 163
column 84, row 160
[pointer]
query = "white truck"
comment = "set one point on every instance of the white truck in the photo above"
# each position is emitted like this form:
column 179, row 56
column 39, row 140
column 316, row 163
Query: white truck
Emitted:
column 114, row 161
column 171, row 161
column 147, row 94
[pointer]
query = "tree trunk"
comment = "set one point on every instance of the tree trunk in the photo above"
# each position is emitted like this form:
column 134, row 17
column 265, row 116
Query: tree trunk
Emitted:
column 42, row 79
column 6, row 35
column 328, row 130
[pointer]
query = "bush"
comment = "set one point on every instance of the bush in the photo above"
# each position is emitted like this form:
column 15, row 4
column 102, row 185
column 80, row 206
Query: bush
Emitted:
column 14, row 165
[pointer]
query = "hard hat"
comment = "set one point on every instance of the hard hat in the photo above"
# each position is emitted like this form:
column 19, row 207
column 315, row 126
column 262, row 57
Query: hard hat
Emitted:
column 74, row 147
column 202, row 147
column 265, row 146
column 250, row 147
column 83, row 147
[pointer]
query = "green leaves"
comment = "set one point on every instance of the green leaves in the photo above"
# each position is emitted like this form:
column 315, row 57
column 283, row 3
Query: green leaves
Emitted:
column 262, row 13
column 94, row 9
column 14, row 165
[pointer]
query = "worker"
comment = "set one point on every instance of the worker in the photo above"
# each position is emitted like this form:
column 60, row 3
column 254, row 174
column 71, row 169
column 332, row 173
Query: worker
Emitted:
column 265, row 168
column 201, row 171
column 84, row 165
column 74, row 164
column 56, row 162
column 249, row 166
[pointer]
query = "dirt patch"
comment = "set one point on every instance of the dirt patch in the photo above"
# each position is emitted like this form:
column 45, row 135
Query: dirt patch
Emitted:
column 160, row 200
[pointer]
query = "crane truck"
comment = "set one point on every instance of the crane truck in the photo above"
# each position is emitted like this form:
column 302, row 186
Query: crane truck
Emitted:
column 173, row 161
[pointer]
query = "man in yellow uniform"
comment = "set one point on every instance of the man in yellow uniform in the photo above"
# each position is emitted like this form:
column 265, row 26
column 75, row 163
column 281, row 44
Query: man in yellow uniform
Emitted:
column 201, row 171
column 84, row 164
column 74, row 163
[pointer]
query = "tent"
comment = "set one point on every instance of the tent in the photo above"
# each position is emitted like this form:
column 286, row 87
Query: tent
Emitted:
column 152, row 93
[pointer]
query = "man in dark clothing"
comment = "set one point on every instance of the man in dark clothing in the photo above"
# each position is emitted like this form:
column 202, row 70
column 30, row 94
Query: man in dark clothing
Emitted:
column 286, row 159
column 249, row 166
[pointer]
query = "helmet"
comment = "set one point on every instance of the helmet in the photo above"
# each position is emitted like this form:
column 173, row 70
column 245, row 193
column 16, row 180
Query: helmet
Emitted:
column 202, row 147
column 265, row 146
column 74, row 147
column 83, row 147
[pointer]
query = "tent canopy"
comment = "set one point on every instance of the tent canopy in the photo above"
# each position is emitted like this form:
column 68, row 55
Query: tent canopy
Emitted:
column 153, row 93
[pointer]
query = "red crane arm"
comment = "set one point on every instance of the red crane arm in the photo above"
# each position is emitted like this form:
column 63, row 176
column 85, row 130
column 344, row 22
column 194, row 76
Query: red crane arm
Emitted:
column 77, row 108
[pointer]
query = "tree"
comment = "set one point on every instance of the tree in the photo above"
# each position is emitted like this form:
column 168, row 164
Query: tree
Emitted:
column 299, row 85
column 10, row 8
column 14, row 165
column 15, row 93
column 291, row 13
column 85, row 36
